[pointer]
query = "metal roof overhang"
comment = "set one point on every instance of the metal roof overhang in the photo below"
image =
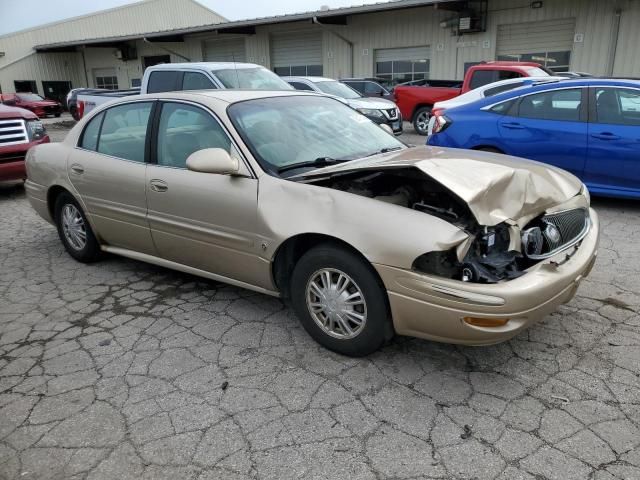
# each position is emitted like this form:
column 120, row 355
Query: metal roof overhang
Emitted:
column 337, row 16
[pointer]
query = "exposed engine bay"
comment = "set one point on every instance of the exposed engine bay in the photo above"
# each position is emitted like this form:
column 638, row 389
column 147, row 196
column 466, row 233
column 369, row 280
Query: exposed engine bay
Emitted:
column 490, row 256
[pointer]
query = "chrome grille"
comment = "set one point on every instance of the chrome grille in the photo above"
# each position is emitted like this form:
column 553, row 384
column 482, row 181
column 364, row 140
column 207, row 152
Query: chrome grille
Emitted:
column 13, row 132
column 560, row 231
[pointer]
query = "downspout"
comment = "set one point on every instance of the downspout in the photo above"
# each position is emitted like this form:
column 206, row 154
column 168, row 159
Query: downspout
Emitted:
column 84, row 65
column 615, row 33
column 146, row 40
column 316, row 21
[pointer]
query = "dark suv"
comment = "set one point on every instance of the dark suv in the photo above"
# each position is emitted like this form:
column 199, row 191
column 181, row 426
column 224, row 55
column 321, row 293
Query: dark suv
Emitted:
column 370, row 87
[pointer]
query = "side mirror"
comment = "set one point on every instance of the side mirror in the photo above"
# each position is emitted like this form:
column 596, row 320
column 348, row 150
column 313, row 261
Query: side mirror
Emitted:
column 213, row 160
column 385, row 127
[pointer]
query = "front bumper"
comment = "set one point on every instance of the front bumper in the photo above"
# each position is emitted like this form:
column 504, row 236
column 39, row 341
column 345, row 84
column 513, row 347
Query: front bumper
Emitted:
column 433, row 308
column 395, row 125
column 12, row 157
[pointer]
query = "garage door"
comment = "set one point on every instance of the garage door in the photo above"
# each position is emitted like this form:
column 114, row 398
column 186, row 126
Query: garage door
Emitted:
column 548, row 42
column 224, row 50
column 402, row 64
column 297, row 53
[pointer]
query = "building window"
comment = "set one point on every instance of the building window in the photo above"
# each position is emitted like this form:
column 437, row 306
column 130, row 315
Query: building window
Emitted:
column 299, row 70
column 555, row 61
column 136, row 82
column 110, row 83
column 400, row 71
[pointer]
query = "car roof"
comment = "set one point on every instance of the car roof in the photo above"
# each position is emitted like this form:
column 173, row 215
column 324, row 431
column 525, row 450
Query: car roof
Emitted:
column 229, row 95
column 203, row 65
column 309, row 79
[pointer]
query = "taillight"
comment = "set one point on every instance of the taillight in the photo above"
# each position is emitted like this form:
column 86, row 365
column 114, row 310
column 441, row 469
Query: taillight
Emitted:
column 441, row 123
column 80, row 108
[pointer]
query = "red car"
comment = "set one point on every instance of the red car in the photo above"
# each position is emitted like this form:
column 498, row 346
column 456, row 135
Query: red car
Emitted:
column 20, row 130
column 415, row 100
column 33, row 102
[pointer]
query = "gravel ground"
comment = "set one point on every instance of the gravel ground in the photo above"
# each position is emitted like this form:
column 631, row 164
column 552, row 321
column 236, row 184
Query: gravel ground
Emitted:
column 122, row 370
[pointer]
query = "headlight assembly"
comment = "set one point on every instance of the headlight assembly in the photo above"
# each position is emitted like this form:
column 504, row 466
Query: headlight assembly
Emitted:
column 35, row 130
column 371, row 112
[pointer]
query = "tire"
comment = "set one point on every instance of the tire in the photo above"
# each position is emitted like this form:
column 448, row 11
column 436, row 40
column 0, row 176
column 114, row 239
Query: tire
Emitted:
column 421, row 120
column 74, row 113
column 66, row 210
column 58, row 114
column 368, row 297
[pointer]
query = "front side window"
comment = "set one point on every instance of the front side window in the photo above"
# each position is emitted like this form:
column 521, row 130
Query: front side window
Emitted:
column 371, row 88
column 251, row 78
column 618, row 106
column 338, row 89
column 196, row 81
column 89, row 139
column 124, row 130
column 283, row 131
column 552, row 105
column 185, row 129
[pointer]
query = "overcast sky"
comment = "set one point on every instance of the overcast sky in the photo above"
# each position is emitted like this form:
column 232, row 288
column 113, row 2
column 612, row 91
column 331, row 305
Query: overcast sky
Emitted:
column 20, row 14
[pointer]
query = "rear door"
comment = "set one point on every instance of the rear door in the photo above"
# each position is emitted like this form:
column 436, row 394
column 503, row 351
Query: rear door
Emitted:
column 108, row 170
column 613, row 161
column 549, row 126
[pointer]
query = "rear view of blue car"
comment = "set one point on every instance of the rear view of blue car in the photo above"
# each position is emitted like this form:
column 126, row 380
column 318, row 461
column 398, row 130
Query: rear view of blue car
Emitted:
column 590, row 127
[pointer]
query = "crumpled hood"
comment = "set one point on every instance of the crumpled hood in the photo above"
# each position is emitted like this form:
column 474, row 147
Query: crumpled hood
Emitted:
column 373, row 103
column 495, row 187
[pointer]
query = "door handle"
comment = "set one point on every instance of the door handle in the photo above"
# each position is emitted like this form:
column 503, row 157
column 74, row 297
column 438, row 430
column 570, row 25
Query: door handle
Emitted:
column 605, row 136
column 158, row 186
column 512, row 125
column 77, row 169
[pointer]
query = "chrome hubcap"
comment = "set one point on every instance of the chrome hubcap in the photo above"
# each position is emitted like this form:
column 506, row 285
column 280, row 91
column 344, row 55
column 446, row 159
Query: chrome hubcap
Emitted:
column 336, row 303
column 423, row 121
column 73, row 227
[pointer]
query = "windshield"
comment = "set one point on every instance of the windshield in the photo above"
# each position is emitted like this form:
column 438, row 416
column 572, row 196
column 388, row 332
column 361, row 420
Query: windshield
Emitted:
column 282, row 131
column 338, row 89
column 251, row 78
column 29, row 97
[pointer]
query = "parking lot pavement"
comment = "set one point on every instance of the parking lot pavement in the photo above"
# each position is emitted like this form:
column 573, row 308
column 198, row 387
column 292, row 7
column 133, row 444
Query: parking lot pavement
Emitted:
column 121, row 370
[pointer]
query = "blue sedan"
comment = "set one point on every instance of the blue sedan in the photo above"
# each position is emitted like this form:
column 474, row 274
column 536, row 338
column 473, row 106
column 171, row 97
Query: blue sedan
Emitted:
column 590, row 127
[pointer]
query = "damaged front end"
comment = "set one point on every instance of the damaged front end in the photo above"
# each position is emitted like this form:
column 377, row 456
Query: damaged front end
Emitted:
column 490, row 253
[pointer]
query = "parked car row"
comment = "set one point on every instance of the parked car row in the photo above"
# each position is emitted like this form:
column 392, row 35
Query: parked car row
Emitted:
column 296, row 195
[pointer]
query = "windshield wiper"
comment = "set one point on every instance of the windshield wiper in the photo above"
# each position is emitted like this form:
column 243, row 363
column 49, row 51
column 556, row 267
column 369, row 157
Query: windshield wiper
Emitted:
column 384, row 150
column 318, row 162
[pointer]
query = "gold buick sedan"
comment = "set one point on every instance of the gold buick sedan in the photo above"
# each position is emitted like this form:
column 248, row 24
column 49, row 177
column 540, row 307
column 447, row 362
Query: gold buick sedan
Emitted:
column 296, row 195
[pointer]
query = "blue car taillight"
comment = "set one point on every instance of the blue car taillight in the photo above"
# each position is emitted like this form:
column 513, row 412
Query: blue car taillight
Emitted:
column 442, row 122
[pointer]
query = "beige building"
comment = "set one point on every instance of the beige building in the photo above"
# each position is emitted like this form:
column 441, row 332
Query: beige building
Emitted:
column 400, row 40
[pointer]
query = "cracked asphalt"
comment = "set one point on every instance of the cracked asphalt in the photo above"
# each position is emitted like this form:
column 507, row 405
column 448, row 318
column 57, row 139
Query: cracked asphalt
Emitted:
column 120, row 370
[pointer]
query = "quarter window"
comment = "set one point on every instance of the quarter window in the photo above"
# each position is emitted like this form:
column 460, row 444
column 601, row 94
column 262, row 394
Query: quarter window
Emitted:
column 185, row 129
column 124, row 131
column 552, row 105
column 196, row 81
column 618, row 106
column 90, row 135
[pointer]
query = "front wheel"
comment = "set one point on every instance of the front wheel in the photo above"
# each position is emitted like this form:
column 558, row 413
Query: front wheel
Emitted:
column 421, row 120
column 340, row 301
column 74, row 230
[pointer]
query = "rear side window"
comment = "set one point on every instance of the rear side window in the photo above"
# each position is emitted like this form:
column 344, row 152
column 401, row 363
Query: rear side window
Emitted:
column 552, row 105
column 164, row 81
column 618, row 106
column 124, row 131
column 185, row 129
column 196, row 81
column 490, row 92
column 89, row 139
column 485, row 77
column 301, row 86
column 371, row 88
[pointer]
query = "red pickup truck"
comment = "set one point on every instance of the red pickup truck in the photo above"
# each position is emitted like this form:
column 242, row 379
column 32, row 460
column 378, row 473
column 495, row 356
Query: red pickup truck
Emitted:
column 20, row 130
column 416, row 99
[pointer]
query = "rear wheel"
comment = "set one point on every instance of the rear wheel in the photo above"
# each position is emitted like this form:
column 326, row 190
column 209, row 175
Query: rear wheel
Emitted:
column 421, row 120
column 340, row 301
column 74, row 230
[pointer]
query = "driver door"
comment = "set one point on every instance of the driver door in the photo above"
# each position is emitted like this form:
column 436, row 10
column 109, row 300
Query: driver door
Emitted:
column 202, row 220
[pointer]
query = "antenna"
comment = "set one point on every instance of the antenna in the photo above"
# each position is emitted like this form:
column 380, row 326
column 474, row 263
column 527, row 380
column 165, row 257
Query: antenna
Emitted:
column 235, row 67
